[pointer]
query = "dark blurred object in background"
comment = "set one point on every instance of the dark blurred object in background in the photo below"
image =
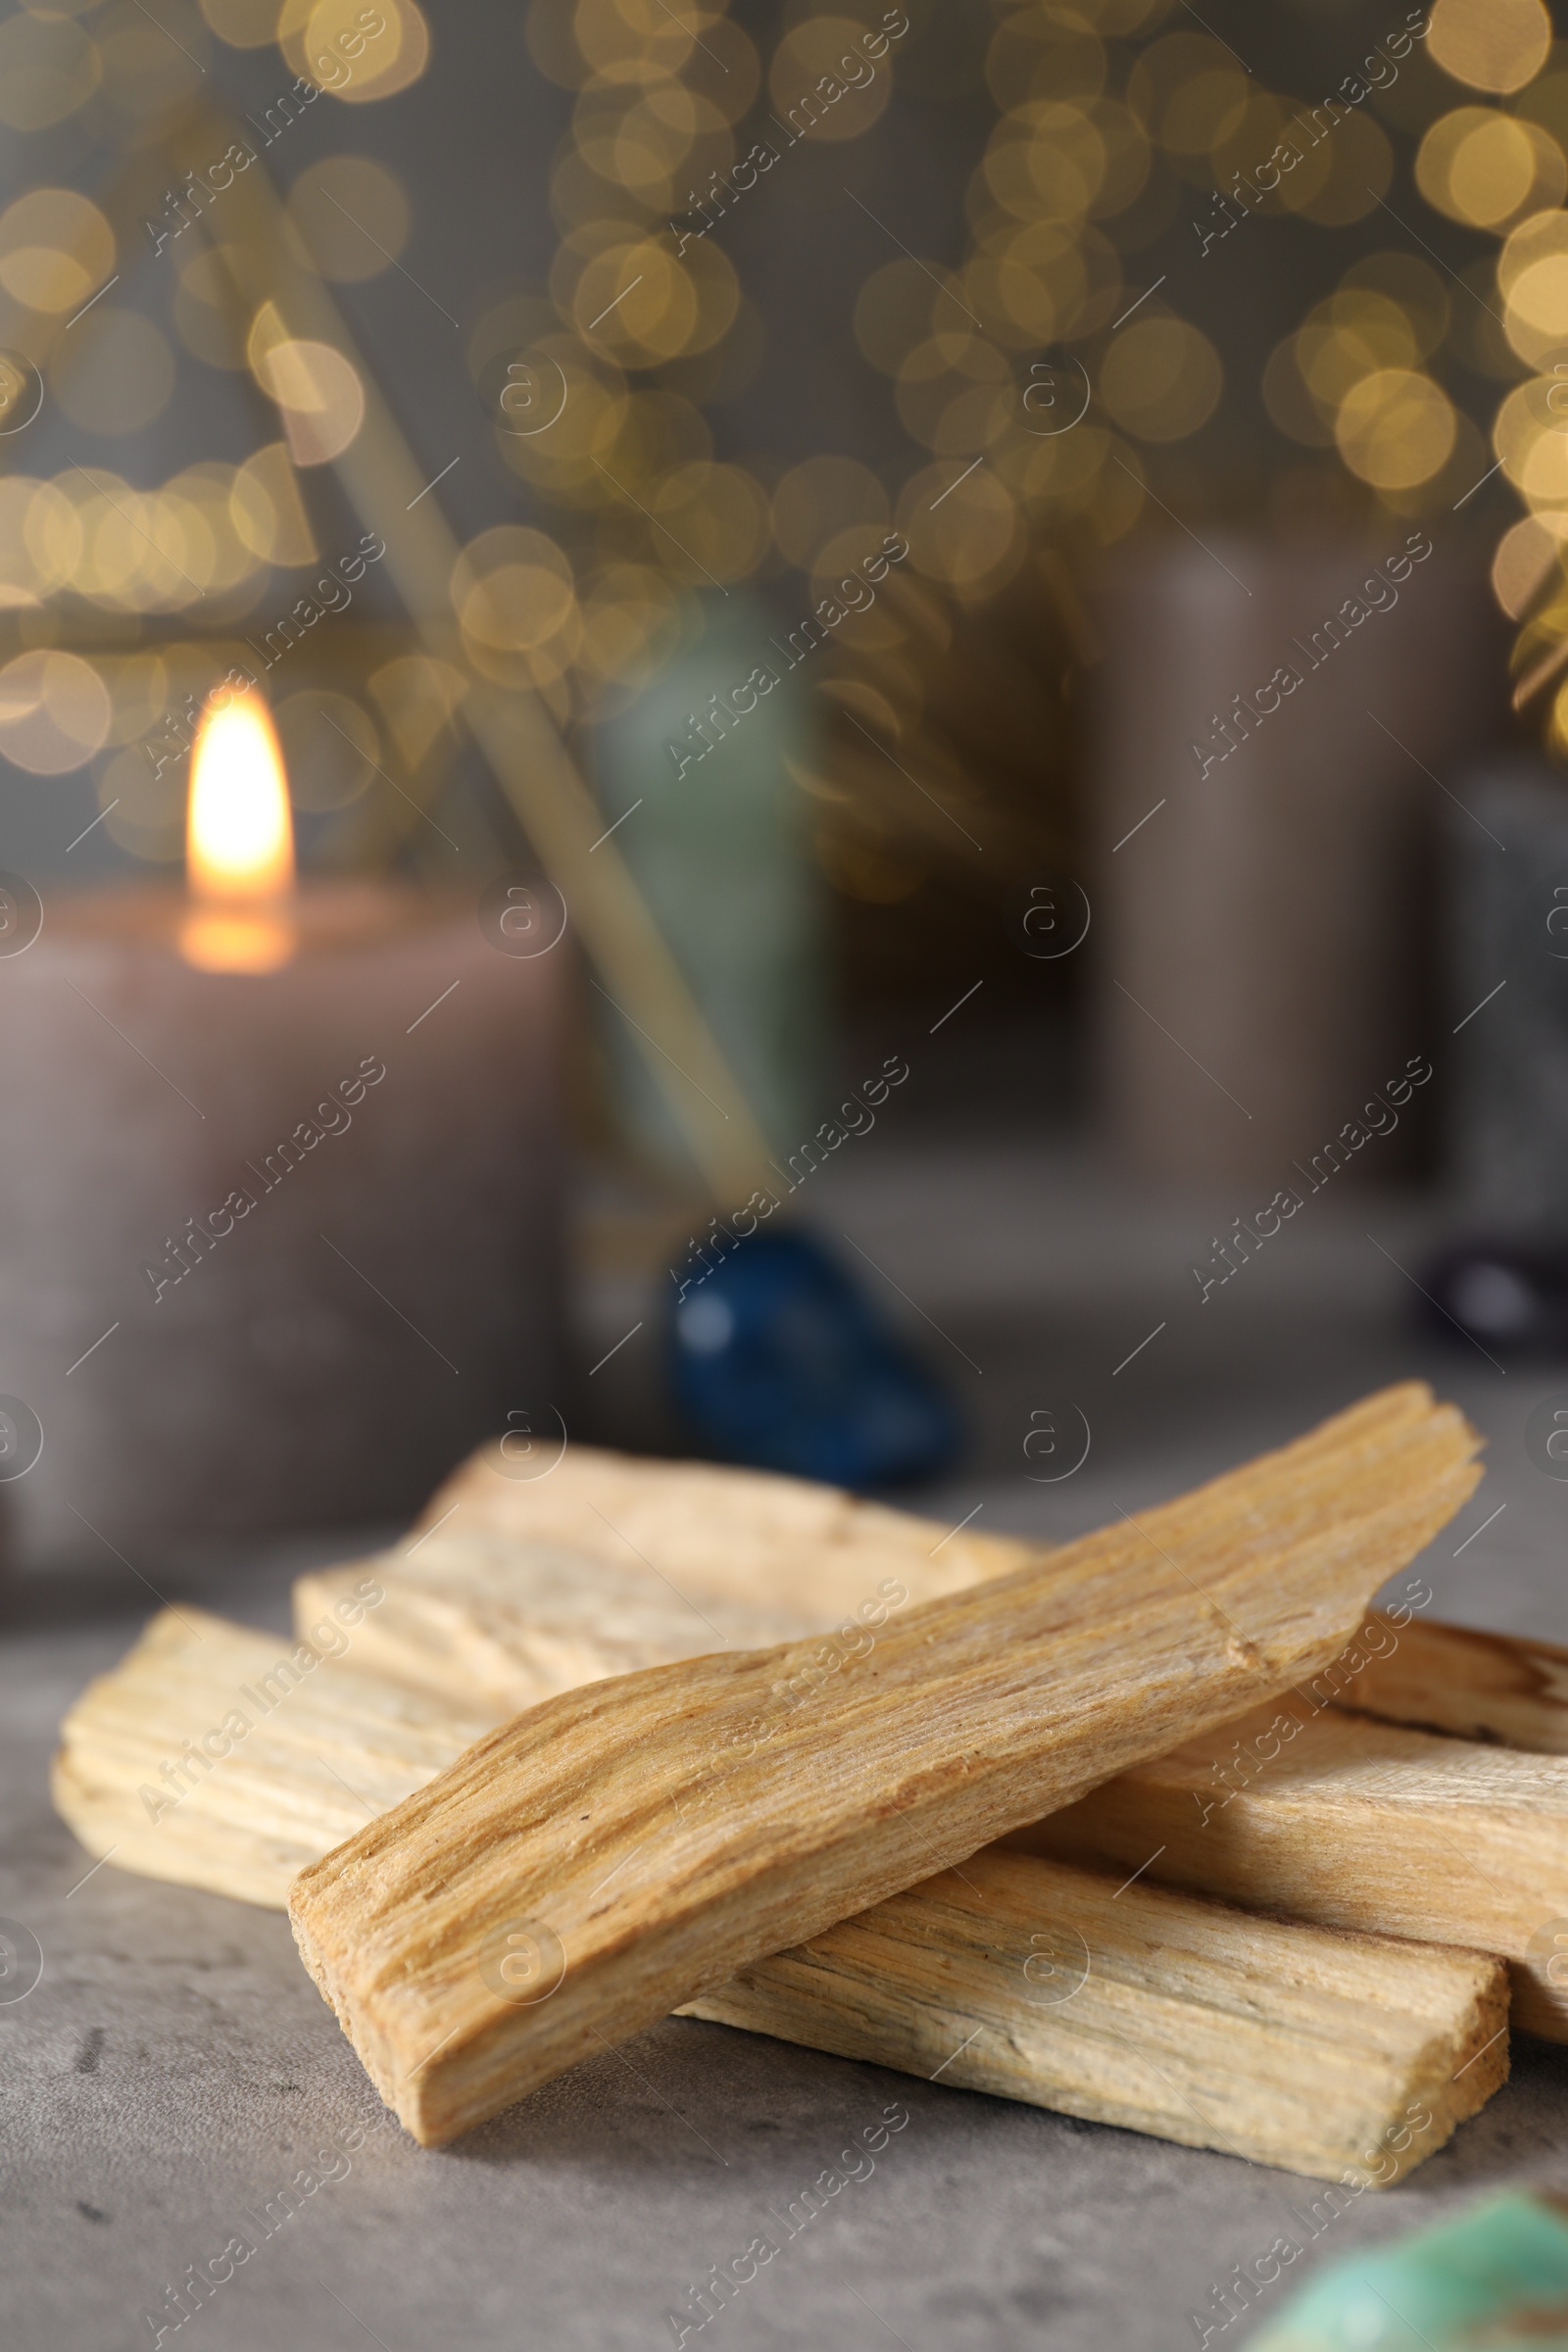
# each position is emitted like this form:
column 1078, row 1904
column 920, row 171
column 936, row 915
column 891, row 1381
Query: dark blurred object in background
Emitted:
column 1502, row 1295
column 1504, row 1281
column 778, row 1359
column 1276, row 724
column 949, row 770
column 1508, row 899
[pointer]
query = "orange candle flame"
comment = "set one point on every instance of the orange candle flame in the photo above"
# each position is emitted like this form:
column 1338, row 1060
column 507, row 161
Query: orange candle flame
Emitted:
column 239, row 843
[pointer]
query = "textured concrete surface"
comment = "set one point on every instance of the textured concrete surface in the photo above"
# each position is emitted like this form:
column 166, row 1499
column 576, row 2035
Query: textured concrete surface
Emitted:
column 174, row 2071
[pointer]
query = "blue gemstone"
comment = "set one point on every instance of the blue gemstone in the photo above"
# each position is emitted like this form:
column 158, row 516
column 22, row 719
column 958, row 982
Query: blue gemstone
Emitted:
column 780, row 1361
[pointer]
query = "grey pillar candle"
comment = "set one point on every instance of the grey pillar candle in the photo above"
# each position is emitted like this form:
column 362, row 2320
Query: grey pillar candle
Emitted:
column 1274, row 725
column 276, row 1248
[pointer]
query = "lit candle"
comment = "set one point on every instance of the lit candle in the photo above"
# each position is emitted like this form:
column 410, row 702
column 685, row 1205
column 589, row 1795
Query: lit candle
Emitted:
column 279, row 1210
column 239, row 843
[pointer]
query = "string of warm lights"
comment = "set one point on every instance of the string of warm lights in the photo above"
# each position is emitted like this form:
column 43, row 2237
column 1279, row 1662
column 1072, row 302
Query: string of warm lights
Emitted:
column 1115, row 120
column 104, row 579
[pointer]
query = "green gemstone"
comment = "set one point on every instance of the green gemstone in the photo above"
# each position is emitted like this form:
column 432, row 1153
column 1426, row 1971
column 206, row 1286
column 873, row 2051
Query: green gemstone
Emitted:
column 1494, row 2281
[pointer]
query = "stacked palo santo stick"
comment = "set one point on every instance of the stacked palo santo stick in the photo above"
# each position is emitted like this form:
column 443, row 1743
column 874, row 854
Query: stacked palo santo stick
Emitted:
column 636, row 1736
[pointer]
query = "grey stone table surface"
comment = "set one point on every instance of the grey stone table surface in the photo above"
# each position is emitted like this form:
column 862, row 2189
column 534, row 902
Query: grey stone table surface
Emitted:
column 173, row 2072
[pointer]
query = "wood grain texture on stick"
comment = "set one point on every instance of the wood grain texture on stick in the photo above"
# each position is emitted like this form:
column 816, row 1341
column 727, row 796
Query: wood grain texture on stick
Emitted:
column 483, row 1618
column 1355, row 1824
column 502, row 1621
column 217, row 1756
column 522, row 1587
column 627, row 1846
column 752, row 1535
column 1284, row 2044
column 1449, row 1678
column 1289, row 2045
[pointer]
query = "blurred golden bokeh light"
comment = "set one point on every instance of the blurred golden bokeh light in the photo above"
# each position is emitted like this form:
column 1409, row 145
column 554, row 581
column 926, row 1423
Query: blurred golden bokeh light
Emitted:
column 1528, row 556
column 114, row 373
column 146, row 75
column 1287, row 396
column 205, row 492
column 267, row 509
column 418, row 697
column 956, row 394
column 824, row 83
column 640, row 305
column 1047, row 162
column 963, row 533
column 1028, row 280
column 48, row 68
column 138, row 694
column 1491, row 44
column 1353, row 335
column 1484, row 168
column 1533, row 280
column 1050, row 52
column 54, row 711
column 717, row 519
column 206, row 318
column 660, row 143
column 1340, row 181
column 56, row 249
column 629, row 39
column 326, row 40
column 242, row 24
column 604, row 384
column 1414, row 288
column 516, row 600
column 1162, row 379
column 19, row 582
column 1532, row 447
column 631, row 623
column 320, row 397
column 351, row 216
column 1396, row 428
column 52, row 529
column 1189, row 93
column 143, row 811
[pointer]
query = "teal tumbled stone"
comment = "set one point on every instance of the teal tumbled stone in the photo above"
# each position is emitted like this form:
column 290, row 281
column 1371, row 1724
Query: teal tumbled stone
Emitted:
column 1494, row 2281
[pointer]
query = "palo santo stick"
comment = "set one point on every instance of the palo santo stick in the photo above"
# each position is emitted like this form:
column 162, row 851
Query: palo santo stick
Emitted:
column 1446, row 1678
column 750, row 1535
column 219, row 1757
column 484, row 1623
column 636, row 1843
column 500, row 1623
column 1355, row 1824
column 521, row 1588
column 176, row 1763
column 796, row 1551
column 1288, row 2045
